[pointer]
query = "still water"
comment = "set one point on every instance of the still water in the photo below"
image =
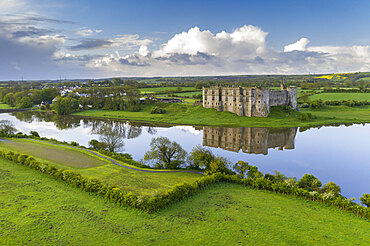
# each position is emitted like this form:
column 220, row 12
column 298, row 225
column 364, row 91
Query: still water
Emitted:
column 340, row 154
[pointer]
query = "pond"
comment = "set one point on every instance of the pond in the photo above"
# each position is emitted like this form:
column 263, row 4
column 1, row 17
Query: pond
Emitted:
column 332, row 153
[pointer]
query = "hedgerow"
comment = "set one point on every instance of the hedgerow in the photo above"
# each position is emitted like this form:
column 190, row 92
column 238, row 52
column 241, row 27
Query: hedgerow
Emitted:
column 184, row 190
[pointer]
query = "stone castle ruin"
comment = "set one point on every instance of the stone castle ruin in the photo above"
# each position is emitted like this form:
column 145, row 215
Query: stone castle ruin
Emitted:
column 249, row 140
column 246, row 101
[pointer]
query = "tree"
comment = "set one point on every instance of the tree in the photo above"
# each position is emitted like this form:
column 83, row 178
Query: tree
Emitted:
column 35, row 134
column 331, row 187
column 168, row 154
column 219, row 165
column 24, row 102
column 241, row 168
column 117, row 81
column 200, row 157
column 95, row 144
column 365, row 199
column 9, row 99
column 309, row 182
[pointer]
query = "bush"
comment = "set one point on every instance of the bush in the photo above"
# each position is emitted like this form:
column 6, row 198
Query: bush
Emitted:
column 365, row 199
column 74, row 143
column 331, row 187
column 305, row 116
column 157, row 110
column 35, row 134
column 309, row 182
column 316, row 104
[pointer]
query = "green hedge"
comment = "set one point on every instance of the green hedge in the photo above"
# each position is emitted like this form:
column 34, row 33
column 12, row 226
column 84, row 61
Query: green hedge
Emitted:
column 180, row 191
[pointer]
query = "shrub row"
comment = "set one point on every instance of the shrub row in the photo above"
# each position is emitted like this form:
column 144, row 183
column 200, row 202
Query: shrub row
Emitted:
column 181, row 191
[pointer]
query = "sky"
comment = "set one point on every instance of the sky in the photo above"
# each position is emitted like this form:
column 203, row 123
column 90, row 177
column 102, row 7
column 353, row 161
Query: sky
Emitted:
column 52, row 39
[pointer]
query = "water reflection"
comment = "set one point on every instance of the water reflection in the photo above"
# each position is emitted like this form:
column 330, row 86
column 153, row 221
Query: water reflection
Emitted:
column 112, row 132
column 249, row 140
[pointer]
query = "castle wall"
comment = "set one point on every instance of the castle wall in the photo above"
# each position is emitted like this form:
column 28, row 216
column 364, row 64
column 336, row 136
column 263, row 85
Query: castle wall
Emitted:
column 249, row 140
column 248, row 101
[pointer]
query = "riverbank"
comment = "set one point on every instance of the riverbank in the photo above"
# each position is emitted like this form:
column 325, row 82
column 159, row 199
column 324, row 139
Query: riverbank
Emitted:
column 197, row 115
column 221, row 214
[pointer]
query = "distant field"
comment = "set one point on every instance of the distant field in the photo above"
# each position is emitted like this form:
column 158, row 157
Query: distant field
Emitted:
column 61, row 155
column 92, row 166
column 364, row 79
column 39, row 210
column 189, row 94
column 5, row 106
column 341, row 96
column 163, row 89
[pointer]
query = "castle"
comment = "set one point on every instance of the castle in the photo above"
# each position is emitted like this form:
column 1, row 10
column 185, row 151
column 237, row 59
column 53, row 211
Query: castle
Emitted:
column 246, row 101
column 249, row 140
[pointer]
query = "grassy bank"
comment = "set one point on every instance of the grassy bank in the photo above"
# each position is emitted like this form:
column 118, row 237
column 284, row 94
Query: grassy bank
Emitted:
column 197, row 115
column 37, row 209
column 92, row 166
column 341, row 96
column 5, row 106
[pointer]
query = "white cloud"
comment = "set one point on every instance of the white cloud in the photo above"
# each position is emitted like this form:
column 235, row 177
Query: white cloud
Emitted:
column 246, row 41
column 242, row 51
column 84, row 32
column 144, row 51
column 299, row 45
column 11, row 6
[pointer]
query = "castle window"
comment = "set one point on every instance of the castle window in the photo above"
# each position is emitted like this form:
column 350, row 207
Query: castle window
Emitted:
column 259, row 101
column 234, row 99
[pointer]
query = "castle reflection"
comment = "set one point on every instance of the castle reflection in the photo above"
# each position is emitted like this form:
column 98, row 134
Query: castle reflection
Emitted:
column 249, row 140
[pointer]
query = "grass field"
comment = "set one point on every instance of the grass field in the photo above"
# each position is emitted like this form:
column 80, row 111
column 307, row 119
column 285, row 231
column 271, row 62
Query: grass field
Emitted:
column 5, row 106
column 341, row 96
column 39, row 210
column 65, row 156
column 364, row 79
column 188, row 94
column 163, row 89
column 197, row 115
column 89, row 165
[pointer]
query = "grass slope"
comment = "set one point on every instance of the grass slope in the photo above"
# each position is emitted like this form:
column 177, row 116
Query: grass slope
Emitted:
column 89, row 165
column 39, row 210
column 197, row 115
column 341, row 96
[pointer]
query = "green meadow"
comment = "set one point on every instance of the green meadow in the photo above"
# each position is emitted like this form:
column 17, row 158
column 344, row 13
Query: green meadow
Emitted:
column 155, row 90
column 197, row 115
column 5, row 106
column 341, row 96
column 37, row 209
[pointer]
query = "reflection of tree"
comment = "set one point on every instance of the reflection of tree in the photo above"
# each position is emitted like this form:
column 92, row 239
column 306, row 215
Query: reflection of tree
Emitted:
column 133, row 132
column 7, row 127
column 151, row 130
column 111, row 136
column 24, row 116
column 65, row 122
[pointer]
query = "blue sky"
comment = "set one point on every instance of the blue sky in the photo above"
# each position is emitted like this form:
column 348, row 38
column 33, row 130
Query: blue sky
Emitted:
column 44, row 39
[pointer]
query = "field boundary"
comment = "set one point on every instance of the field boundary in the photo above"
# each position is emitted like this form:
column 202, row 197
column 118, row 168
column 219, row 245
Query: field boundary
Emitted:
column 179, row 191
